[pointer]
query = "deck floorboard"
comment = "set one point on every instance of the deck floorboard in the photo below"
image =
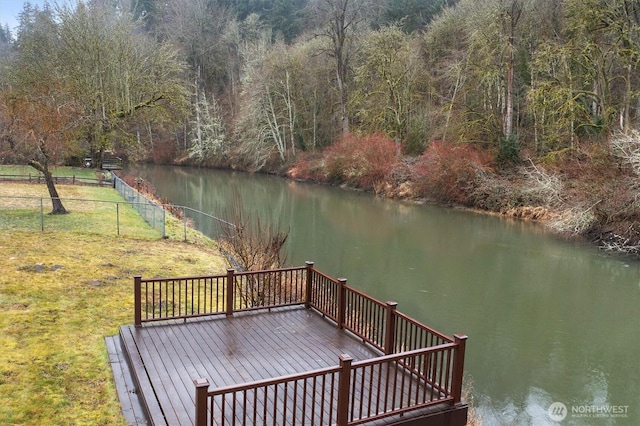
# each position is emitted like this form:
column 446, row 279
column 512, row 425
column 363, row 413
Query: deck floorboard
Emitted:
column 166, row 358
column 132, row 409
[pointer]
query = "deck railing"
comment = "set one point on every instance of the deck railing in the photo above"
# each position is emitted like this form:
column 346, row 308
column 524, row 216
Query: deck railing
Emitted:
column 161, row 299
column 413, row 355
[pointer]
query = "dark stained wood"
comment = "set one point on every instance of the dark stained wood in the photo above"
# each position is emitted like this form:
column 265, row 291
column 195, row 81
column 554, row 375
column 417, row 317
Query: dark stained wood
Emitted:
column 168, row 357
column 132, row 409
column 229, row 351
column 280, row 353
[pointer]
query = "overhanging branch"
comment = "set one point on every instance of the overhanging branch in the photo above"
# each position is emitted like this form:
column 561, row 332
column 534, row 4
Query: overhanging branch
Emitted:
column 146, row 104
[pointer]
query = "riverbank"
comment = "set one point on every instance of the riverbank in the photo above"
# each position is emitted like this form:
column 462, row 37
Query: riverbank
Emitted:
column 579, row 196
column 61, row 293
column 586, row 194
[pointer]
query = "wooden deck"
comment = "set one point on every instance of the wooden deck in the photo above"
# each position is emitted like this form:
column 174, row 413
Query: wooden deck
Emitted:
column 157, row 363
column 167, row 358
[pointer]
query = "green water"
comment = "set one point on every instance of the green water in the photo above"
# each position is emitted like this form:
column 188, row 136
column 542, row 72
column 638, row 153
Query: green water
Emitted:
column 547, row 321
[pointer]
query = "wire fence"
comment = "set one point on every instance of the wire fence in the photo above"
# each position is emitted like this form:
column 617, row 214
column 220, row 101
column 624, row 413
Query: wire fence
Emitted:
column 32, row 212
column 209, row 225
column 152, row 213
column 88, row 216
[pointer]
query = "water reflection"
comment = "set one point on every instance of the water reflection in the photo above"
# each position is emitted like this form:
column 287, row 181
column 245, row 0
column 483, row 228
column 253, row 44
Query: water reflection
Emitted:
column 547, row 321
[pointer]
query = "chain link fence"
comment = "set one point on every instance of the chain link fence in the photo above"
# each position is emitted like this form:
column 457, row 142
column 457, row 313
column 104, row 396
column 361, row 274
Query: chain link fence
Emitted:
column 209, row 225
column 152, row 213
column 89, row 216
column 31, row 213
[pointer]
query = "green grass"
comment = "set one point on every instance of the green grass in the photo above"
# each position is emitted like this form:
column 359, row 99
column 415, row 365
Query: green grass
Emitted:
column 61, row 292
column 92, row 210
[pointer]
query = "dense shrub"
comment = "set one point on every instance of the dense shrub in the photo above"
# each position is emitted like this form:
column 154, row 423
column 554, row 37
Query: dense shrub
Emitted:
column 447, row 173
column 361, row 162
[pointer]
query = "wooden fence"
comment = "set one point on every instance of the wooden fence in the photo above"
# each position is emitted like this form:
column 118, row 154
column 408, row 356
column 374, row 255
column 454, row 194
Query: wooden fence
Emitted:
column 71, row 180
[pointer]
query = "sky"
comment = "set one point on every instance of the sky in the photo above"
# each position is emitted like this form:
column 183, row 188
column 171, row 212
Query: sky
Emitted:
column 9, row 10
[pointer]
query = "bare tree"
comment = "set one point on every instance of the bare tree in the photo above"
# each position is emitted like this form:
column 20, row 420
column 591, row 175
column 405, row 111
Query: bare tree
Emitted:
column 251, row 244
column 510, row 15
column 339, row 21
column 36, row 112
column 197, row 27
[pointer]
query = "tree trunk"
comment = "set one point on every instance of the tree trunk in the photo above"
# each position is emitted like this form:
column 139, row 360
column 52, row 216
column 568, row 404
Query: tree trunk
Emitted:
column 58, row 208
column 344, row 117
column 508, row 121
column 514, row 17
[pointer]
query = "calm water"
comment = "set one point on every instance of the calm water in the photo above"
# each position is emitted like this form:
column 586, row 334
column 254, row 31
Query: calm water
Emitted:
column 547, row 321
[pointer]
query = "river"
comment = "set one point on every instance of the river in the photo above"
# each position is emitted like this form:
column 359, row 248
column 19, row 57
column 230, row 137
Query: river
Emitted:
column 548, row 321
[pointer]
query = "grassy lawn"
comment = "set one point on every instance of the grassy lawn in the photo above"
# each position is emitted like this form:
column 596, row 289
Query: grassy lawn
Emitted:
column 61, row 292
column 101, row 215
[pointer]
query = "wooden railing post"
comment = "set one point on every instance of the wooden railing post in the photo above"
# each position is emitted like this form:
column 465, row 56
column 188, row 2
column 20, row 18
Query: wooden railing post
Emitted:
column 344, row 385
column 137, row 300
column 202, row 390
column 390, row 329
column 307, row 296
column 458, row 367
column 342, row 301
column 230, row 291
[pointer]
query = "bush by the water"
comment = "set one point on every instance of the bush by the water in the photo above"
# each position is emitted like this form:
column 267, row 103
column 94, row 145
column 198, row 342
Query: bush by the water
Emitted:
column 447, row 173
column 359, row 162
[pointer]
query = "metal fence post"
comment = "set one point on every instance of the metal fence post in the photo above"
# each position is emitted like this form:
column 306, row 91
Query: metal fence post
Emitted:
column 458, row 367
column 118, row 217
column 390, row 328
column 344, row 384
column 41, row 215
column 164, row 223
column 342, row 302
column 202, row 390
column 184, row 221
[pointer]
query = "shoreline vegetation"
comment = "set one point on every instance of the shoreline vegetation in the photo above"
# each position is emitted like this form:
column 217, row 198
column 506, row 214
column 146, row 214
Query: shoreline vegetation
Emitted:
column 583, row 194
column 589, row 193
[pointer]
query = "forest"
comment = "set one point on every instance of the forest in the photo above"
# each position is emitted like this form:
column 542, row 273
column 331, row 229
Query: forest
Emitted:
column 527, row 108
